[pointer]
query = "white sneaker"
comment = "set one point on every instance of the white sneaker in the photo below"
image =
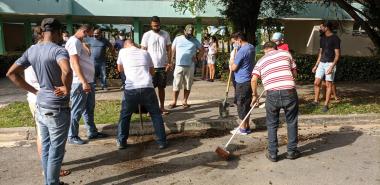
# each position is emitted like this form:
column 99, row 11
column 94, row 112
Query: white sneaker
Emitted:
column 240, row 131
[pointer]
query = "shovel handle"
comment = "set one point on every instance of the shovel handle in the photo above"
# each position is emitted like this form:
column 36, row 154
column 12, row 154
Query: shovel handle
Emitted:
column 246, row 116
column 229, row 82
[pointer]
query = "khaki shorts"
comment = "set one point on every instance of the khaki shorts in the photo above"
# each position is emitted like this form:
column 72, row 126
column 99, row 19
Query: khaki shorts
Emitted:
column 183, row 76
column 32, row 107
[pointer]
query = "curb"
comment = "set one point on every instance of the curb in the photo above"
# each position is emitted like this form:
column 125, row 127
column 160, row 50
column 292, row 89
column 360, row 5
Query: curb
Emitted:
column 28, row 133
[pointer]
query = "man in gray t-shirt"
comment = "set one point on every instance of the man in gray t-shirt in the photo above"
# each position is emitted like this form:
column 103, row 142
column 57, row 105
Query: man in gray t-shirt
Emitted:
column 51, row 65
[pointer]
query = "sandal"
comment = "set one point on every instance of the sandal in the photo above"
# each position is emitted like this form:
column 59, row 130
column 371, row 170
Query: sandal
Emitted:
column 185, row 106
column 63, row 173
column 172, row 106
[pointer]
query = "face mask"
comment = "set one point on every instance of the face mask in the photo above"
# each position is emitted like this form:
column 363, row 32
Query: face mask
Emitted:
column 235, row 45
column 121, row 37
column 65, row 38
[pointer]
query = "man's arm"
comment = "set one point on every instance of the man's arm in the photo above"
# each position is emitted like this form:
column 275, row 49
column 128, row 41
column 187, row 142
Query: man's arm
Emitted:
column 336, row 59
column 254, row 89
column 66, row 77
column 120, row 68
column 74, row 60
column 318, row 60
column 151, row 71
column 173, row 56
column 14, row 75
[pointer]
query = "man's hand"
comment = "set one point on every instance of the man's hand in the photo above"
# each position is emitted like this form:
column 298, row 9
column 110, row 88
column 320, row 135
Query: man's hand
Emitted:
column 254, row 99
column 330, row 70
column 314, row 69
column 169, row 67
column 61, row 91
column 86, row 87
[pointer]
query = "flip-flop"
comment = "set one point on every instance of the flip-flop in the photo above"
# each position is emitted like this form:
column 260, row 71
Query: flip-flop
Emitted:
column 172, row 106
column 185, row 106
column 63, row 173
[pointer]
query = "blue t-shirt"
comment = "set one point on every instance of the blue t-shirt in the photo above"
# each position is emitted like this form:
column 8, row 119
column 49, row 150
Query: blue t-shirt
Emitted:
column 244, row 59
column 44, row 58
column 185, row 49
column 119, row 44
column 98, row 49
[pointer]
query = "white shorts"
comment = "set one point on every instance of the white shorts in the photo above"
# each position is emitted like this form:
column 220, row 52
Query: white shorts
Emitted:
column 183, row 75
column 211, row 59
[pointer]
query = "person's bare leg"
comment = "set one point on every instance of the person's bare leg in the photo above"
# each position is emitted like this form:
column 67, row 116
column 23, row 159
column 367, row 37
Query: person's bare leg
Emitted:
column 175, row 98
column 328, row 92
column 186, row 94
column 245, row 124
column 161, row 96
column 317, row 87
column 323, row 89
column 333, row 92
column 212, row 71
column 204, row 71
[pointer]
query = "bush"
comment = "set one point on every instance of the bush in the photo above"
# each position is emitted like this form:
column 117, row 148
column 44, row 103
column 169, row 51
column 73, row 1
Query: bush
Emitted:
column 348, row 69
column 6, row 62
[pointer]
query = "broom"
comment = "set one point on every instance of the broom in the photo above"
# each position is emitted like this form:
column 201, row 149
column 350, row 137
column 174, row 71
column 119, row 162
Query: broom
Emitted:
column 222, row 151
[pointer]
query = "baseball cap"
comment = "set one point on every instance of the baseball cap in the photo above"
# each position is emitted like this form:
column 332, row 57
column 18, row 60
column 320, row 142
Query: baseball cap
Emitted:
column 277, row 36
column 50, row 24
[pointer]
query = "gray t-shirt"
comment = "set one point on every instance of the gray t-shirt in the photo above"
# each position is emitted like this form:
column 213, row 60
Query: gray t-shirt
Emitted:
column 98, row 49
column 44, row 58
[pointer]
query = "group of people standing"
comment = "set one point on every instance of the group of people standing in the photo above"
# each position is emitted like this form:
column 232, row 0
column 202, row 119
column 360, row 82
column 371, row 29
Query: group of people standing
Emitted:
column 61, row 84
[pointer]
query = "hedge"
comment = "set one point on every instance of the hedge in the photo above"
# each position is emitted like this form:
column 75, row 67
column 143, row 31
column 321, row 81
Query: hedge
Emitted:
column 349, row 68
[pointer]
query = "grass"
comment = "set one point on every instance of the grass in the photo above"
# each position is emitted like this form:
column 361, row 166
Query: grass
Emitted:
column 17, row 114
column 360, row 105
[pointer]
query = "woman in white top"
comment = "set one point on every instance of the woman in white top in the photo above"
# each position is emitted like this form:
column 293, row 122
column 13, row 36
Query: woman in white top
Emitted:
column 211, row 57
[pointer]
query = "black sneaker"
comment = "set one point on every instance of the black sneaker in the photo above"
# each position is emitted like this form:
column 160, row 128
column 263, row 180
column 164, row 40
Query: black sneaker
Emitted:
column 325, row 108
column 121, row 146
column 270, row 157
column 97, row 135
column 314, row 104
column 293, row 155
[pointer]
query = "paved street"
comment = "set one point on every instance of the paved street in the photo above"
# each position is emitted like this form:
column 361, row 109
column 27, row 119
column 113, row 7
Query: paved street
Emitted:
column 331, row 155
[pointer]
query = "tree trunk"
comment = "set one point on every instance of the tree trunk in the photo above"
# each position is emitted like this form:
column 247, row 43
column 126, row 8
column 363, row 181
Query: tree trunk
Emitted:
column 365, row 25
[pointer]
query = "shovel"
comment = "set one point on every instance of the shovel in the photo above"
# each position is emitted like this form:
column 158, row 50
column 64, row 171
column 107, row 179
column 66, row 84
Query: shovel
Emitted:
column 223, row 107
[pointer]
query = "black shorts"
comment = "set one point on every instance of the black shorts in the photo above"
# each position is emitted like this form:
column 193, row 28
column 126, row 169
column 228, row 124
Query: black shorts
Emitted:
column 243, row 98
column 159, row 78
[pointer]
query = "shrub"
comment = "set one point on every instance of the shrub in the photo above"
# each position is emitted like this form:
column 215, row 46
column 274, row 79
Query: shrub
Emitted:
column 6, row 62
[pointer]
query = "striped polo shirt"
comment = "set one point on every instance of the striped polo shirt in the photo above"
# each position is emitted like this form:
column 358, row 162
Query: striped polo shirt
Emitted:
column 275, row 70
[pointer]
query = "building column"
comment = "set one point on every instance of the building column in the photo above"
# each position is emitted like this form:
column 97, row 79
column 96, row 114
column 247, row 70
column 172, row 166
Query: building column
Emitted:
column 28, row 34
column 69, row 24
column 2, row 41
column 198, row 28
column 136, row 30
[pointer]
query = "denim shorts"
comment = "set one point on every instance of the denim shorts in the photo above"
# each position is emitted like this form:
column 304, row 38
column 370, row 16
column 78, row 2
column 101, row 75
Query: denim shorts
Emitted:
column 322, row 70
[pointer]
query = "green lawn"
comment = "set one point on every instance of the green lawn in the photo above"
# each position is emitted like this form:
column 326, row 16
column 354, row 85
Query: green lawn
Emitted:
column 18, row 114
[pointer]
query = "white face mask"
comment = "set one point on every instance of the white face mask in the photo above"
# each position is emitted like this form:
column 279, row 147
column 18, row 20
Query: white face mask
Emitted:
column 65, row 38
column 121, row 37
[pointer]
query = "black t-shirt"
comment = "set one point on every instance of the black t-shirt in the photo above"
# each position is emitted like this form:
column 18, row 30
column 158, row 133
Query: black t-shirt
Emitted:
column 328, row 45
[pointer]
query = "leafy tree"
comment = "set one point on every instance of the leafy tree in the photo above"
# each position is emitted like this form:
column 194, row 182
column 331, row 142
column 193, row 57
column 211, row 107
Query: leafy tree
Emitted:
column 368, row 17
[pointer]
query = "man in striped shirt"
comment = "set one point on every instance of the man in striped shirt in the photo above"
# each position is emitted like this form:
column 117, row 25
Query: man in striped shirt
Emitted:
column 277, row 71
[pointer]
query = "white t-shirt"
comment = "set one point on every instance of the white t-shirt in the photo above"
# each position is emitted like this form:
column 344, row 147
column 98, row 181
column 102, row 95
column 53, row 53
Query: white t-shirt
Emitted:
column 31, row 79
column 212, row 50
column 156, row 44
column 136, row 63
column 75, row 47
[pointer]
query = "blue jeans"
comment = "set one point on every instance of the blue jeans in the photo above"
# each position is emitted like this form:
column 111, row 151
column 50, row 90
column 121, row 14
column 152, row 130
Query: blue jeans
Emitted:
column 82, row 104
column 287, row 100
column 147, row 98
column 53, row 125
column 100, row 71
